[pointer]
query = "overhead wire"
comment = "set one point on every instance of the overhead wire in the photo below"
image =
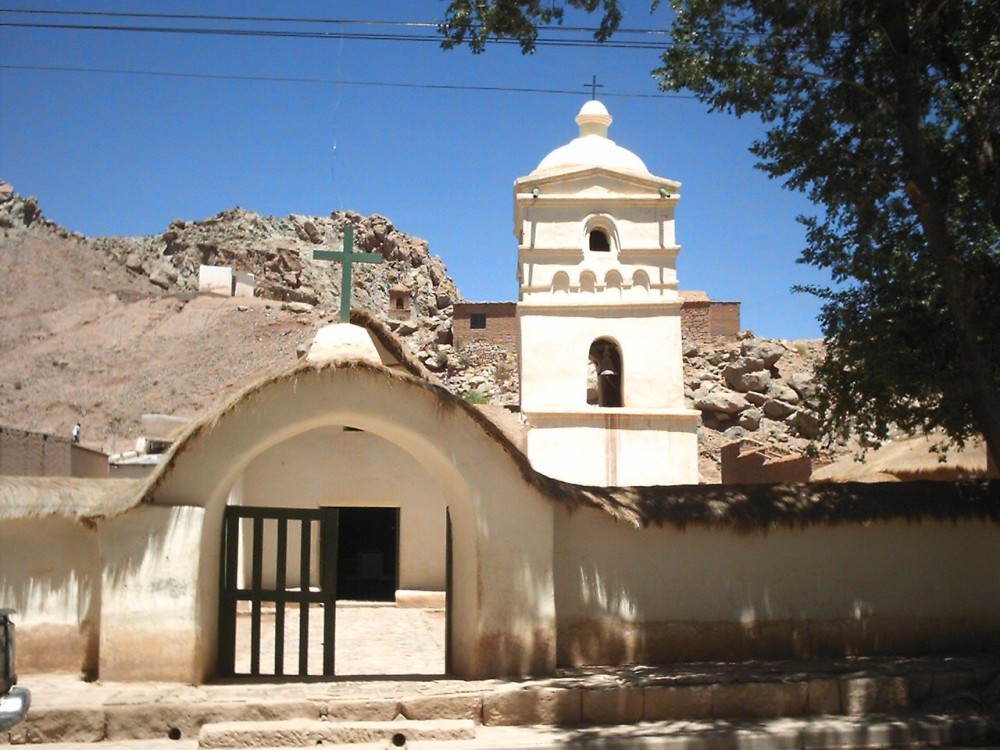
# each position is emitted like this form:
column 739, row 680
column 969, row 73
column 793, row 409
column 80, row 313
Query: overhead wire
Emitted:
column 331, row 81
column 340, row 35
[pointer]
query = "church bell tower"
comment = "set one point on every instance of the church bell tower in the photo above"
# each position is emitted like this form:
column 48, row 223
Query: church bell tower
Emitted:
column 599, row 316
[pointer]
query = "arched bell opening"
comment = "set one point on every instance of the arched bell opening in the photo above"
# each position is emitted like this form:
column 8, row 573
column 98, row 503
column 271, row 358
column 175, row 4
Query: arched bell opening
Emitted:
column 604, row 369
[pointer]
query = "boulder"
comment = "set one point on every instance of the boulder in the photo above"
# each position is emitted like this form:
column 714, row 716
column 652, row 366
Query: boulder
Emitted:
column 735, row 373
column 766, row 351
column 806, row 424
column 720, row 399
column 163, row 276
column 311, row 232
column 750, row 418
column 133, row 262
column 782, row 392
column 804, row 385
column 776, row 409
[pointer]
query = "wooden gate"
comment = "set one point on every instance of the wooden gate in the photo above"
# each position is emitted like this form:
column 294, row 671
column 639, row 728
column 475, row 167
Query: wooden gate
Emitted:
column 268, row 587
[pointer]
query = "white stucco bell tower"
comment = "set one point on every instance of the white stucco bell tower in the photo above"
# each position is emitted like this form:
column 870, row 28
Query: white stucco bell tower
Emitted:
column 599, row 316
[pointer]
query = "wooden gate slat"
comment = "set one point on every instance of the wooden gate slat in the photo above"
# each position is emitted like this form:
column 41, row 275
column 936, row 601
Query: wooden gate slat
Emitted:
column 328, row 585
column 305, row 585
column 280, row 585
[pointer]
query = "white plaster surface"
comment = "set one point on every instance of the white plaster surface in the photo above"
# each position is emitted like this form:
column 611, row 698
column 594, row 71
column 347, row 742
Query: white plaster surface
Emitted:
column 50, row 574
column 342, row 341
column 571, row 296
column 150, row 584
column 852, row 571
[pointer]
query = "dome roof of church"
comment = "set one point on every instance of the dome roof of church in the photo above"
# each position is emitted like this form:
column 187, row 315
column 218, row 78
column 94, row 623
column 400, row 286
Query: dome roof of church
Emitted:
column 593, row 148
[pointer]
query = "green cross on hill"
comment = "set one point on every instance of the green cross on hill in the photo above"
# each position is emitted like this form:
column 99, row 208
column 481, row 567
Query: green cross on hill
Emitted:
column 347, row 259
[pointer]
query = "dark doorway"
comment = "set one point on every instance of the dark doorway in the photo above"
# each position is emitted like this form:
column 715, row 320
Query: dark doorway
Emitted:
column 368, row 554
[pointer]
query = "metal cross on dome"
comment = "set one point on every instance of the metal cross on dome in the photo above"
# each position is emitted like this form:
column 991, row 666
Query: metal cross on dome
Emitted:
column 594, row 85
column 347, row 258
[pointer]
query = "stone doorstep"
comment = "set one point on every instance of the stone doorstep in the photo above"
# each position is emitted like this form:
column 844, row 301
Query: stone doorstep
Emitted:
column 150, row 717
column 307, row 732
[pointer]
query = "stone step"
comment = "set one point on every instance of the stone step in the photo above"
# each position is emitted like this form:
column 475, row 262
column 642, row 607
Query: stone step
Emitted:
column 306, row 732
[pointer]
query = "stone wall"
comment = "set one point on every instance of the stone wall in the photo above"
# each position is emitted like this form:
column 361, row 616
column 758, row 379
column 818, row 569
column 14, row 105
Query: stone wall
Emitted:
column 704, row 320
column 723, row 319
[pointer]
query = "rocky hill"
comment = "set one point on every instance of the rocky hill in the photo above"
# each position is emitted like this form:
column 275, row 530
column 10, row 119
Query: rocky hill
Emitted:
column 100, row 331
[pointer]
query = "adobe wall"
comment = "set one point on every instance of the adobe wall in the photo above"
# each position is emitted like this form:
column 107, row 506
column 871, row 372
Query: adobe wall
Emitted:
column 501, row 323
column 755, row 467
column 660, row 595
column 33, row 454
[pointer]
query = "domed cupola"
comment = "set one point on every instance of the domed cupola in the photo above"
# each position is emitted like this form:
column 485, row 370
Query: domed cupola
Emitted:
column 592, row 148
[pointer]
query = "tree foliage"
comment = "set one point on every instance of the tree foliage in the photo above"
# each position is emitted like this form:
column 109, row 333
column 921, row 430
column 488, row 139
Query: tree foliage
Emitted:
column 886, row 113
column 475, row 22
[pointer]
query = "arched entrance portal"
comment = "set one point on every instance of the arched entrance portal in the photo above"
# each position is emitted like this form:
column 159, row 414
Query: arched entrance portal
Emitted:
column 334, row 561
column 502, row 594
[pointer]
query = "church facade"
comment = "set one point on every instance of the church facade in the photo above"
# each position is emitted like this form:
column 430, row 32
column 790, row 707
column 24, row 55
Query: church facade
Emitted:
column 539, row 558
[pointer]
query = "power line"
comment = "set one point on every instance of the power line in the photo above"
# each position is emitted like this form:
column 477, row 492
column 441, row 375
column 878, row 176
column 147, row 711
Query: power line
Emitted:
column 286, row 19
column 330, row 81
column 541, row 41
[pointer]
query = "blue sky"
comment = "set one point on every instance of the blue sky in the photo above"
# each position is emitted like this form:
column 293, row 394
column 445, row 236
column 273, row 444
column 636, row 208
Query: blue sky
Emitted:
column 124, row 154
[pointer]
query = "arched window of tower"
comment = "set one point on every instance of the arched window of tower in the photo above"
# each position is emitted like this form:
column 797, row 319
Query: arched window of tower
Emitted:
column 599, row 241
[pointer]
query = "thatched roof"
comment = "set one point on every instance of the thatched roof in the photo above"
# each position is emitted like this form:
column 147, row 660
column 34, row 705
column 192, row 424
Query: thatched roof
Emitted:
column 920, row 457
column 85, row 500
column 762, row 507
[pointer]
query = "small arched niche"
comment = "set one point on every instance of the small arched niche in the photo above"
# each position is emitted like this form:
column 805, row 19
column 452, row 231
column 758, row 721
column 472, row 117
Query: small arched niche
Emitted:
column 640, row 284
column 604, row 374
column 560, row 283
column 588, row 282
column 613, row 284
